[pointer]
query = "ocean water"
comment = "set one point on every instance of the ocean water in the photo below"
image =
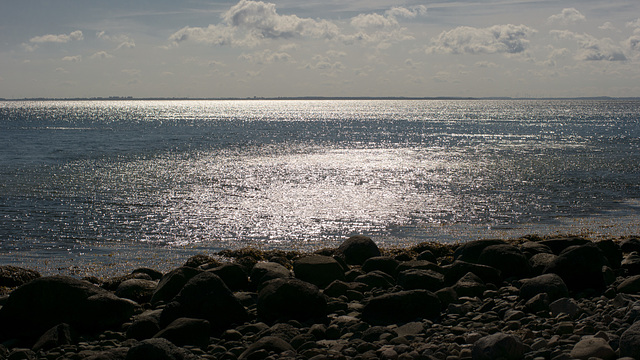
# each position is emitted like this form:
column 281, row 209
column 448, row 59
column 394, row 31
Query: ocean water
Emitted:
column 106, row 186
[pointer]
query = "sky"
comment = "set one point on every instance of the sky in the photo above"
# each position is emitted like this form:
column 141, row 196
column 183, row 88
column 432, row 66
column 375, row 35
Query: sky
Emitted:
column 273, row 48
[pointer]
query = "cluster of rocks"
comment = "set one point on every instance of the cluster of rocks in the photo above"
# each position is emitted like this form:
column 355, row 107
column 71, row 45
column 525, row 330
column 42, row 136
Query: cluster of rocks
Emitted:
column 531, row 298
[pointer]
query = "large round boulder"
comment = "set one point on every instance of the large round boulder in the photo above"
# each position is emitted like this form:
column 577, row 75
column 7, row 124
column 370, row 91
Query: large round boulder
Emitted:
column 459, row 268
column 318, row 270
column 233, row 275
column 206, row 296
column 507, row 258
column 401, row 307
column 580, row 267
column 265, row 271
column 286, row 299
column 559, row 244
column 470, row 251
column 498, row 346
column 46, row 302
column 421, row 279
column 630, row 342
column 138, row 290
column 172, row 282
column 551, row 284
column 357, row 249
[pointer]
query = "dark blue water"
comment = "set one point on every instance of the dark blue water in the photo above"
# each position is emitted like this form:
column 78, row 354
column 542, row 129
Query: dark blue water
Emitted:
column 123, row 182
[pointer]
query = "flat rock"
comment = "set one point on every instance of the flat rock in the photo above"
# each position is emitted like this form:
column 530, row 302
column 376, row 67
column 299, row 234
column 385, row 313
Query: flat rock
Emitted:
column 402, row 306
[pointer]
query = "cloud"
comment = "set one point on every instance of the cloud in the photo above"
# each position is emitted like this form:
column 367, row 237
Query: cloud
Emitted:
column 62, row 38
column 101, row 55
column 510, row 39
column 248, row 22
column 123, row 41
column 376, row 21
column 633, row 42
column 592, row 48
column 76, row 58
column 266, row 57
column 568, row 16
column 607, row 26
column 634, row 24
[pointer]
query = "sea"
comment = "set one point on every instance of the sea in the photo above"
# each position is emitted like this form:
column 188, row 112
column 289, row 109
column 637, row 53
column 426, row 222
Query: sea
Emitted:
column 103, row 187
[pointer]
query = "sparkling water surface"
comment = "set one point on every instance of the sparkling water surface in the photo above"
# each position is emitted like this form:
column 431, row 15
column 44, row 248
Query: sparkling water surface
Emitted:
column 110, row 185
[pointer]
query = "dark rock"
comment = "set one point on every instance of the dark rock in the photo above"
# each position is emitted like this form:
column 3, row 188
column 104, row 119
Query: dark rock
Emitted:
column 631, row 263
column 470, row 251
column 400, row 307
column 539, row 262
column 418, row 264
column 22, row 354
column 205, row 296
column 630, row 285
column 202, row 259
column 428, row 256
column 158, row 349
column 458, row 269
column 447, row 296
column 119, row 353
column 187, row 331
column 630, row 342
column 137, row 290
column 630, row 244
column 580, row 267
column 385, row 264
column 507, row 258
column 59, row 335
column 498, row 346
column 338, row 288
column 531, row 248
column 357, row 249
column 11, row 276
column 112, row 284
column 559, row 244
column 538, row 303
column 45, row 302
column 267, row 344
column 152, row 273
column 551, row 284
column 376, row 279
column 144, row 326
column 421, row 279
column 283, row 331
column 265, row 271
column 593, row 347
column 470, row 285
column 318, row 270
column 171, row 283
column 611, row 251
column 291, row 299
column 233, row 275
column 565, row 306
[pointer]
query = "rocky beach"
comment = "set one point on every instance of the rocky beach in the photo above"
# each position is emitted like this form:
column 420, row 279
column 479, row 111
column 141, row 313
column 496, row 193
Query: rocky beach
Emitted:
column 559, row 297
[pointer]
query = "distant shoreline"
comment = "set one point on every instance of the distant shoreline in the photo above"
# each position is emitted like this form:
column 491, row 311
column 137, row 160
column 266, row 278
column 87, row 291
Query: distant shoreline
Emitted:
column 130, row 98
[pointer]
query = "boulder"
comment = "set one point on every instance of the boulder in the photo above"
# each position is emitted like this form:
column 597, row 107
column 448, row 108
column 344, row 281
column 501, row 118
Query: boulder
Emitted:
column 233, row 275
column 291, row 299
column 385, row 264
column 470, row 251
column 593, row 347
column 469, row 285
column 630, row 244
column 551, row 284
column 538, row 303
column 58, row 335
column 631, row 263
column 507, row 258
column 158, row 349
column 580, row 267
column 421, row 279
column 152, row 273
column 539, row 262
column 338, row 288
column 357, row 249
column 565, row 305
column 460, row 268
column 187, row 331
column 265, row 271
column 172, row 282
column 264, row 346
column 200, row 260
column 318, row 270
column 144, row 326
column 205, row 296
column 137, row 290
column 418, row 264
column 46, row 302
column 11, row 276
column 611, row 251
column 498, row 346
column 427, row 255
column 530, row 248
column 559, row 244
column 630, row 285
column 401, row 307
column 376, row 279
column 630, row 342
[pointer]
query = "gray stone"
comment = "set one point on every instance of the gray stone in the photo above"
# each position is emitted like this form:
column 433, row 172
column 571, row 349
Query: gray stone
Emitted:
column 265, row 271
column 318, row 270
column 138, row 290
column 385, row 264
column 158, row 349
column 593, row 347
column 470, row 251
column 11, row 276
column 551, row 284
column 421, row 279
column 172, row 282
column 498, row 346
column 402, row 306
column 630, row 342
column 470, row 285
column 357, row 249
column 630, row 285
column 291, row 299
column 265, row 345
column 565, row 306
column 57, row 336
column 507, row 258
column 187, row 331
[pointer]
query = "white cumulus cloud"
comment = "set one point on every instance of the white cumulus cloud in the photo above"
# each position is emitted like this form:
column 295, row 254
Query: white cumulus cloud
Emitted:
column 568, row 16
column 76, row 58
column 101, row 55
column 591, row 48
column 62, row 38
column 510, row 39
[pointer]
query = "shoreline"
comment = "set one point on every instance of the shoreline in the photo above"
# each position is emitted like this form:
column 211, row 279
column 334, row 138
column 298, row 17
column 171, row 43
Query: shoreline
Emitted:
column 557, row 297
